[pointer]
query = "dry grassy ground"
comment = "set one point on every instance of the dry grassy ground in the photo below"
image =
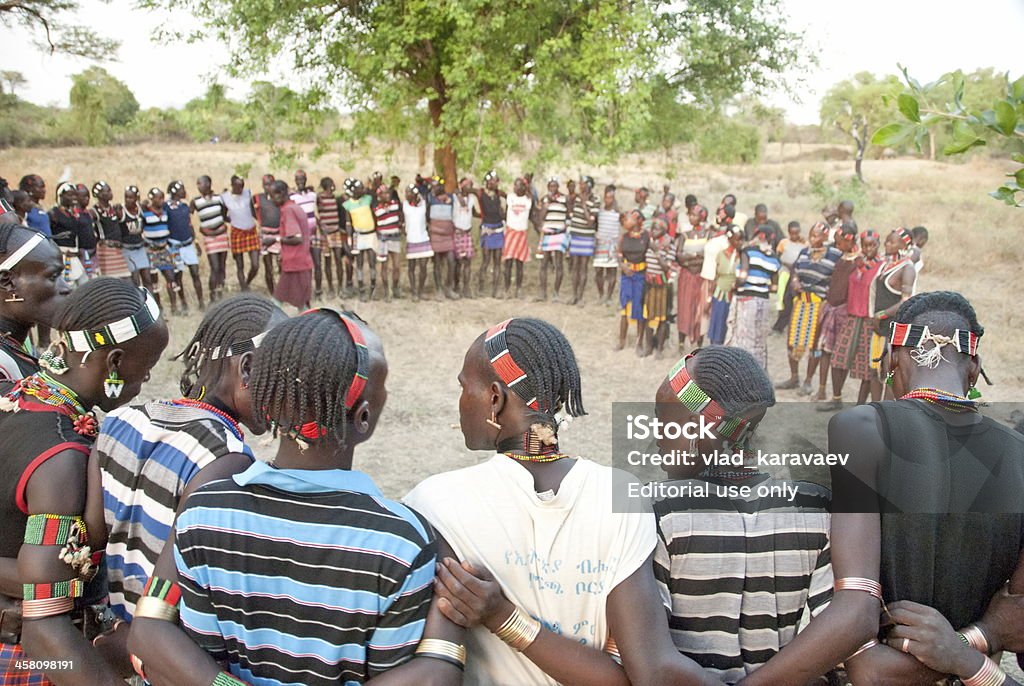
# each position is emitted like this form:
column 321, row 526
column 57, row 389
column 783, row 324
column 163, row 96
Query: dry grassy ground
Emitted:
column 975, row 248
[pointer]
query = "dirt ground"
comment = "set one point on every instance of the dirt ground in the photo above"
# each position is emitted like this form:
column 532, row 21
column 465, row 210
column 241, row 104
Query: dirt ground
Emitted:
column 975, row 248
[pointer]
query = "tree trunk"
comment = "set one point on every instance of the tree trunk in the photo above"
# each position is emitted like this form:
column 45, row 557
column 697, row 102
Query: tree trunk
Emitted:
column 422, row 155
column 931, row 145
column 445, row 162
column 862, row 144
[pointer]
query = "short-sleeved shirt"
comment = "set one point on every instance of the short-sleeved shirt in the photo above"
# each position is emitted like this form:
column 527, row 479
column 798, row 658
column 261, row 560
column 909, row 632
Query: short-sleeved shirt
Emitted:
column 210, row 211
column 517, row 214
column 360, row 211
column 296, row 576
column 306, row 200
column 738, row 573
column 38, row 220
column 556, row 214
column 761, row 266
column 154, row 227
column 328, row 211
column 295, row 258
column 462, row 216
column 556, row 555
column 815, row 275
column 148, row 454
column 389, row 217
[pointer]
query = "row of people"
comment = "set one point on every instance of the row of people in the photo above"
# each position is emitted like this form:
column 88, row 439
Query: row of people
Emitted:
column 220, row 569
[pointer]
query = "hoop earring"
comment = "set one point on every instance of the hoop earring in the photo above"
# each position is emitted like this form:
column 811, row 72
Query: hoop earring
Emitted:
column 493, row 421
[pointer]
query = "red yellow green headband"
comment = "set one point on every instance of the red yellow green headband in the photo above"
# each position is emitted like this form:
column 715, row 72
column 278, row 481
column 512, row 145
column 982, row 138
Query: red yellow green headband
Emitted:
column 693, row 398
column 513, row 376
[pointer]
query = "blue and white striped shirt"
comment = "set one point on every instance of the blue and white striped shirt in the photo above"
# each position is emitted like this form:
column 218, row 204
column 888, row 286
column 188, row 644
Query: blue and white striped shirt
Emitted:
column 760, row 269
column 303, row 577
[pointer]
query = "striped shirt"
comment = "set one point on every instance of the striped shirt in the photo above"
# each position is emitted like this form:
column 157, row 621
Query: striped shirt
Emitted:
column 579, row 224
column 154, row 227
column 306, row 200
column 308, row 577
column 608, row 226
column 147, row 455
column 360, row 212
column 815, row 275
column 738, row 573
column 658, row 249
column 210, row 211
column 389, row 218
column 328, row 211
column 556, row 214
column 762, row 266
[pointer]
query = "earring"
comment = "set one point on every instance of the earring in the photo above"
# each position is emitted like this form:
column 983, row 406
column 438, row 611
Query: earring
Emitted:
column 973, row 393
column 52, row 362
column 888, row 379
column 113, row 385
column 202, row 393
column 493, row 421
column 14, row 298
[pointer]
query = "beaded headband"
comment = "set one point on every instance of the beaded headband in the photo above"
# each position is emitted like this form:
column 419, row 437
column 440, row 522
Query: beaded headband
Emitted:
column 693, row 398
column 64, row 188
column 97, row 187
column 239, row 348
column 413, row 188
column 131, row 189
column 18, row 255
column 490, row 175
column 915, row 336
column 355, row 389
column 906, row 238
column 154, row 191
column 115, row 333
column 511, row 374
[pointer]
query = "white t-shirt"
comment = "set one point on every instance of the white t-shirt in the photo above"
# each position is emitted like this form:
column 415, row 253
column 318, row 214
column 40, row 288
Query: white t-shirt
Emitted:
column 709, row 269
column 415, row 222
column 517, row 216
column 556, row 556
column 240, row 209
column 462, row 217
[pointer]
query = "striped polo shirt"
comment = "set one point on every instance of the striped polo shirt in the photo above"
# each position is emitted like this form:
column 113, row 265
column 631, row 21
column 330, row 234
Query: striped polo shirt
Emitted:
column 578, row 223
column 306, row 200
column 762, row 266
column 154, row 227
column 147, row 455
column 303, row 576
column 388, row 216
column 738, row 573
column 327, row 210
column 815, row 276
column 556, row 214
column 210, row 211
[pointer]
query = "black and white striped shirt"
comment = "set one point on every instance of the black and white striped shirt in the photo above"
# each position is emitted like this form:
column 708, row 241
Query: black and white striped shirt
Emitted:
column 738, row 573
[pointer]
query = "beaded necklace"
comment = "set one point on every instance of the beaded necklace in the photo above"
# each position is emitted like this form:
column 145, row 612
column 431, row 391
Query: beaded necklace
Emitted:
column 950, row 401
column 231, row 422
column 520, row 457
column 52, row 393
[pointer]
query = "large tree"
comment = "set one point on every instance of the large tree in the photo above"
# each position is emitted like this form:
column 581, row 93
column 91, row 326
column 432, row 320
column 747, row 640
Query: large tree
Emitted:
column 489, row 75
column 857, row 107
column 100, row 102
column 55, row 24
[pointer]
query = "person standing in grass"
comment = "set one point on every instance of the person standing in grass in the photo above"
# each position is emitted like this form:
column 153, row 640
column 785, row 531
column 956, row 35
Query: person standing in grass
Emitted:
column 304, row 196
column 582, row 237
column 492, row 232
column 135, row 255
column 852, row 355
column 632, row 257
column 835, row 313
column 660, row 250
column 442, row 238
column 268, row 216
column 694, row 291
column 788, row 250
column 390, row 222
column 331, row 222
column 109, row 254
column 517, row 248
column 295, row 286
column 213, row 216
column 245, row 239
column 417, row 240
column 156, row 235
column 465, row 206
column 726, row 263
column 359, row 209
column 182, row 241
column 606, row 265
column 750, row 312
column 554, row 208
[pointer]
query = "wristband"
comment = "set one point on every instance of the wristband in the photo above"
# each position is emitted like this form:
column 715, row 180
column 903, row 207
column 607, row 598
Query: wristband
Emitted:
column 446, row 651
column 226, row 679
column 988, row 675
column 519, row 631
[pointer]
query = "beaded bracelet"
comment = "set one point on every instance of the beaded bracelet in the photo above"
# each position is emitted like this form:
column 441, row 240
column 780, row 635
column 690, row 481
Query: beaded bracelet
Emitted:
column 227, row 679
column 988, row 675
column 519, row 631
column 71, row 588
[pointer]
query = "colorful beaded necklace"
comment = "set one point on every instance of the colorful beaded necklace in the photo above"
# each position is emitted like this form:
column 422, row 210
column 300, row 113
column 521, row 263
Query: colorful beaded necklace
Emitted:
column 521, row 457
column 231, row 422
column 950, row 401
column 50, row 392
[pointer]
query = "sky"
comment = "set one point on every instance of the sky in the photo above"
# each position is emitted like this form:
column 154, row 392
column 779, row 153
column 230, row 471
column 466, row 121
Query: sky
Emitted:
column 847, row 37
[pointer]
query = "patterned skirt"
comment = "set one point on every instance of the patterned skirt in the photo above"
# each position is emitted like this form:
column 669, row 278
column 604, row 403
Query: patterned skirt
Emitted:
column 631, row 295
column 336, row 240
column 554, row 242
column 492, row 236
column 217, row 244
column 805, row 324
column 853, row 348
column 111, row 262
column 442, row 235
column 604, row 254
column 516, row 246
column 244, row 240
column 9, row 676
column 415, row 251
column 655, row 304
column 693, row 304
column 749, row 325
column 464, row 245
column 833, row 319
column 582, row 244
column 161, row 258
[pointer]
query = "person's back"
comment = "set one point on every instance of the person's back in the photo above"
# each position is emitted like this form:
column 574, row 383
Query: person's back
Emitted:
column 738, row 572
column 303, row 576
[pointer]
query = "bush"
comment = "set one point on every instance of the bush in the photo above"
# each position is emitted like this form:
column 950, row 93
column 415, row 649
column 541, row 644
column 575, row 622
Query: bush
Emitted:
column 728, row 142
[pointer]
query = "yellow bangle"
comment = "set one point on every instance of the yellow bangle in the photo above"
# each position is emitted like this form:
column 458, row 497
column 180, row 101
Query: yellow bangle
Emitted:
column 151, row 607
column 519, row 631
column 454, row 653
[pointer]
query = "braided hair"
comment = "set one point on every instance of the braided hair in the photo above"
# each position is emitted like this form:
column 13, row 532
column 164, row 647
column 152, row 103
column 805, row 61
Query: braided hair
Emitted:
column 98, row 303
column 233, row 320
column 733, row 378
column 942, row 311
column 543, row 352
column 303, row 371
column 9, row 231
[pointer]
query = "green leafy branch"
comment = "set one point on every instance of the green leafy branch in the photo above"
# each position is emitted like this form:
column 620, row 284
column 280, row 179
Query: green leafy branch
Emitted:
column 922, row 109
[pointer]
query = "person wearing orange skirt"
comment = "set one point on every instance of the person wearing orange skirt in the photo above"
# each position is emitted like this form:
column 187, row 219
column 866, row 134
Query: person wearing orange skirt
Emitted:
column 516, row 249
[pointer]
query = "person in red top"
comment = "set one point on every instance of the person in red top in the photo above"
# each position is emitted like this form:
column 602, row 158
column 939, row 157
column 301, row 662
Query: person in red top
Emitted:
column 295, row 286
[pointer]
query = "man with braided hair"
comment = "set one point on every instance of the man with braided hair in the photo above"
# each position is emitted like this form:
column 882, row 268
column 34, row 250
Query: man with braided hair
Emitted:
column 112, row 335
column 32, row 287
column 302, row 572
column 150, row 457
column 737, row 572
column 926, row 473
